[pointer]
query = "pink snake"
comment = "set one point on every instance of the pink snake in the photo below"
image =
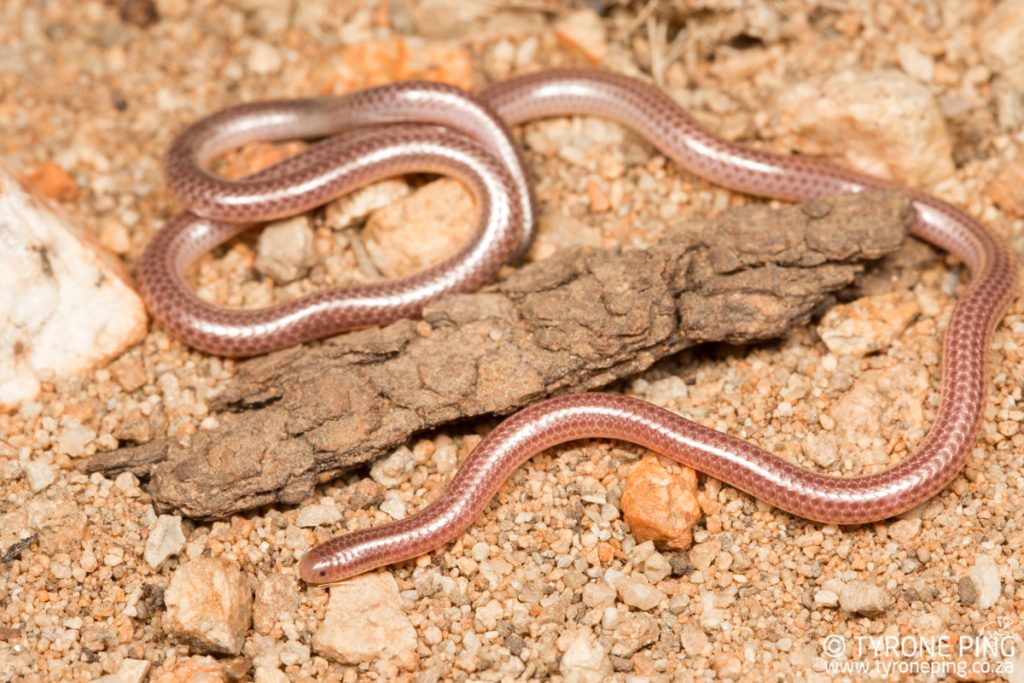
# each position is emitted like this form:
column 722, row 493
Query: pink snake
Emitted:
column 436, row 128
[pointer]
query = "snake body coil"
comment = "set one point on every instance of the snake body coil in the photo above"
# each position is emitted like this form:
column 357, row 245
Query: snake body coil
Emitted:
column 438, row 129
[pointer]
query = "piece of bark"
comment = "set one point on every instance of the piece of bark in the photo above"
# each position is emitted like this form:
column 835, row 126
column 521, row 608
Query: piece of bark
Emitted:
column 576, row 321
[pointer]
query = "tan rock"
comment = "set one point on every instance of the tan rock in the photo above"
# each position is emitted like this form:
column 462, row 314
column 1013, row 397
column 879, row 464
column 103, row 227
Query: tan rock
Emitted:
column 599, row 594
column 585, row 660
column 711, row 616
column 1007, row 189
column 1001, row 36
column 864, row 598
column 277, row 598
column 693, row 639
column 319, row 515
column 447, row 18
column 728, row 666
column 826, row 598
column 868, row 324
column 285, row 249
column 917, row 65
column 129, row 372
column 637, row 593
column 39, row 475
column 422, row 229
column 881, row 404
column 130, row 671
column 558, row 232
column 266, row 674
column 985, row 575
column 166, row 540
column 365, row 622
column 73, row 309
column 659, row 502
column 192, row 670
column 583, row 32
column 114, row 237
column 209, row 605
column 637, row 630
column 74, row 439
column 263, row 58
column 884, row 123
column 346, row 210
column 703, row 555
column 904, row 531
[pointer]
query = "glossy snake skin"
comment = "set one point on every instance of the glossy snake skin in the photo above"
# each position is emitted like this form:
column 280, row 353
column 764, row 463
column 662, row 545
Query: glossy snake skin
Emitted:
column 475, row 146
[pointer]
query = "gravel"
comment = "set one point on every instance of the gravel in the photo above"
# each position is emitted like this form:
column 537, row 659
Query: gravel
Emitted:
column 551, row 581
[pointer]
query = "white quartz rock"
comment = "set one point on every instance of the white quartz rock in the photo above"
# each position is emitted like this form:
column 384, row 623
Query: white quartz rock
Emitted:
column 67, row 305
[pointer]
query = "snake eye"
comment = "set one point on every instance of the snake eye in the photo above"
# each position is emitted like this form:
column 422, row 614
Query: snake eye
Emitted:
column 323, row 572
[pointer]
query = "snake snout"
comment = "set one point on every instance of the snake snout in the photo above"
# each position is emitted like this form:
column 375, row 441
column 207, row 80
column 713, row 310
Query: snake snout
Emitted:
column 315, row 568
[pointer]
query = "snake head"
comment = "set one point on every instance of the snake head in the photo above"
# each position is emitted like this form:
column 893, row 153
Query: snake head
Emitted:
column 317, row 567
column 340, row 558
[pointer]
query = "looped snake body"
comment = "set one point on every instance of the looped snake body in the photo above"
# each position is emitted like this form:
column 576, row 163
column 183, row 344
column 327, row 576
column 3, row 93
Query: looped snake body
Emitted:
column 436, row 128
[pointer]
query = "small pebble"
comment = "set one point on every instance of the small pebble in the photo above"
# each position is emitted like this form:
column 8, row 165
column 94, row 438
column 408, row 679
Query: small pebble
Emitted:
column 868, row 324
column 985, row 577
column 711, row 618
column 392, row 470
column 599, row 594
column 826, row 598
column 693, row 640
column 130, row 671
column 209, row 605
column 583, row 32
column 659, row 502
column 166, row 540
column 636, row 630
column 637, row 593
column 319, row 515
column 39, row 475
column 863, row 598
column 393, row 505
column 585, row 661
column 285, row 250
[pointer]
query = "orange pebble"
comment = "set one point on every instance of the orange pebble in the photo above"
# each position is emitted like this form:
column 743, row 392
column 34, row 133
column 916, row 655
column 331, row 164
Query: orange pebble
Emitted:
column 51, row 181
column 598, row 198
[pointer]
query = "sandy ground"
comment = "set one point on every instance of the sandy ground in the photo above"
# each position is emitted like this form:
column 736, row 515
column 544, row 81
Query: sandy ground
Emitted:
column 548, row 583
